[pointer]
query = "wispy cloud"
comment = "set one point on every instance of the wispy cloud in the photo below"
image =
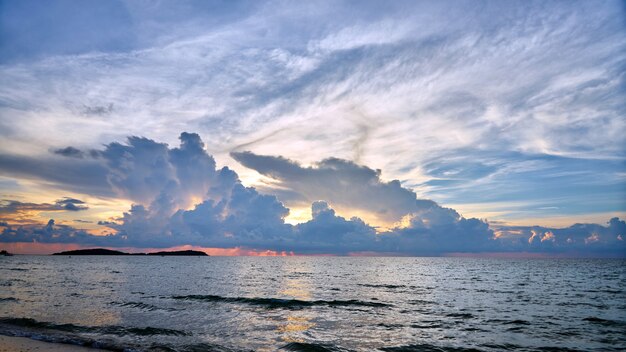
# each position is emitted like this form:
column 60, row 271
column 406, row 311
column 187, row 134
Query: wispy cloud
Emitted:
column 466, row 103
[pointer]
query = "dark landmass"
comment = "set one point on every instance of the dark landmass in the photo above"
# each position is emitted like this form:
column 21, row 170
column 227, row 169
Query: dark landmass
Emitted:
column 94, row 251
column 103, row 251
column 5, row 253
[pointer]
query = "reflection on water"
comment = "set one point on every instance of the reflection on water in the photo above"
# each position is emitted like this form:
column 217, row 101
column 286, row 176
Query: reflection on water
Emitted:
column 264, row 304
column 296, row 322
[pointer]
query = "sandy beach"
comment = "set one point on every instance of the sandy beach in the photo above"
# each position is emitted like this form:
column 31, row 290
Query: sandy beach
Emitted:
column 24, row 344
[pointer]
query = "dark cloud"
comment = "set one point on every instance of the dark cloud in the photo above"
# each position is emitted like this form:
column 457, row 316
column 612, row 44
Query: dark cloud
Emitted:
column 143, row 169
column 70, row 152
column 583, row 238
column 340, row 182
column 328, row 233
column 182, row 198
column 98, row 109
column 11, row 207
column 86, row 176
column 71, row 204
column 55, row 233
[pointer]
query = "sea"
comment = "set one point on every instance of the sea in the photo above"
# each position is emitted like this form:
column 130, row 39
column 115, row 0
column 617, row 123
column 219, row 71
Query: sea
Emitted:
column 140, row 303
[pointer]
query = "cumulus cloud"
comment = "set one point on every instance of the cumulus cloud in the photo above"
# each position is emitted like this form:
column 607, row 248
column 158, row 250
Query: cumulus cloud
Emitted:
column 181, row 198
column 340, row 182
column 55, row 233
column 144, row 170
column 328, row 233
column 414, row 71
column 583, row 238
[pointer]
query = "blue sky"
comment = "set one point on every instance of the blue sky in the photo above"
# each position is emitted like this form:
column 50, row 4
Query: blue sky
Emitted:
column 508, row 112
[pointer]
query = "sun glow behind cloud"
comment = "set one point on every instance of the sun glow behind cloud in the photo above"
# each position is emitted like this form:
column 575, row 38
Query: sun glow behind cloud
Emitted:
column 510, row 112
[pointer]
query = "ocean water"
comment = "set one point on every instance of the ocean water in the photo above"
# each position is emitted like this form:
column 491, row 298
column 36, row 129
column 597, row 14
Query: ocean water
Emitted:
column 315, row 303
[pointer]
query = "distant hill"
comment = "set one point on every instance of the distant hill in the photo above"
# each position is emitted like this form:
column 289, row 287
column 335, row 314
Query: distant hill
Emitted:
column 93, row 251
column 103, row 251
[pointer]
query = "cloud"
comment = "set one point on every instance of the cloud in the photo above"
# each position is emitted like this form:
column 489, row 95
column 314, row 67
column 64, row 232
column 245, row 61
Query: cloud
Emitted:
column 340, row 182
column 143, row 169
column 296, row 73
column 69, row 152
column 98, row 110
column 85, row 176
column 181, row 198
column 16, row 209
column 328, row 233
column 72, row 204
column 55, row 233
column 435, row 229
column 581, row 238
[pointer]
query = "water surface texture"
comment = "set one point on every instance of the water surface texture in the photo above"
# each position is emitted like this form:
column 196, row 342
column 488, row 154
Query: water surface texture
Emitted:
column 315, row 303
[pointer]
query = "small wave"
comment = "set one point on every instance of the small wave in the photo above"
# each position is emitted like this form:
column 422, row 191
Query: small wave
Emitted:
column 140, row 305
column 383, row 286
column 311, row 347
column 460, row 315
column 427, row 348
column 18, row 269
column 106, row 330
column 427, row 326
column 502, row 347
column 75, row 340
column 274, row 303
column 117, row 346
column 578, row 304
column 9, row 299
column 604, row 322
column 390, row 326
column 608, row 290
column 516, row 322
column 421, row 302
column 199, row 347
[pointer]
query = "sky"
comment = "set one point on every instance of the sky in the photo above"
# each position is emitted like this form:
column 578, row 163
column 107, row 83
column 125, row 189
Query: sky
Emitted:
column 318, row 127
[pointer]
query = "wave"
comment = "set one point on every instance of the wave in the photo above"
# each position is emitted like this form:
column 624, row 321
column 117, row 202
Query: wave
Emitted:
column 33, row 324
column 108, row 345
column 516, row 322
column 140, row 305
column 460, row 315
column 427, row 348
column 311, row 347
column 420, row 302
column 579, row 304
column 605, row 322
column 427, row 325
column 9, row 299
column 514, row 347
column 383, row 286
column 276, row 303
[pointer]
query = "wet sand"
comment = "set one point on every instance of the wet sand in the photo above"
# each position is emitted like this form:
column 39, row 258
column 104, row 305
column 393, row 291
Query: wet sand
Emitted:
column 23, row 344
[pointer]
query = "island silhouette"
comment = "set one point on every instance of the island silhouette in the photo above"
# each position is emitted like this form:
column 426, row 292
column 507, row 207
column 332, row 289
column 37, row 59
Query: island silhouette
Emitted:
column 104, row 251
